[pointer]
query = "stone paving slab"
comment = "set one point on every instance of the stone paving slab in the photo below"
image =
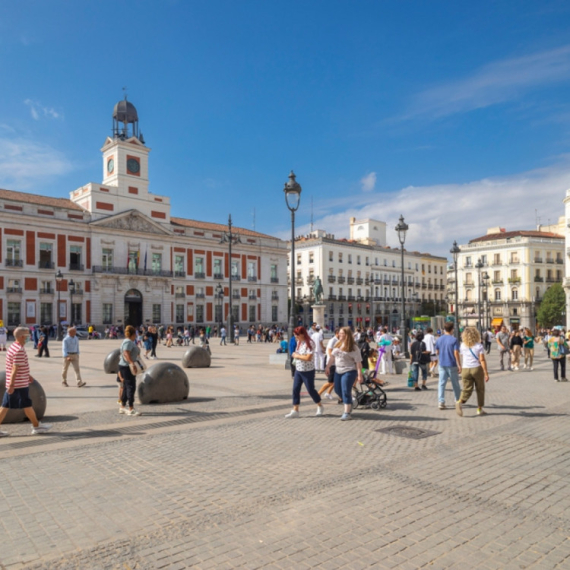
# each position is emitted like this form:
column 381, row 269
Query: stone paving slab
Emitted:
column 260, row 491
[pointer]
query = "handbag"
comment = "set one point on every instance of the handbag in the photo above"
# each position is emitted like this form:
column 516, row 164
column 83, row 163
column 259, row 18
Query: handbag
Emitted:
column 137, row 367
column 563, row 349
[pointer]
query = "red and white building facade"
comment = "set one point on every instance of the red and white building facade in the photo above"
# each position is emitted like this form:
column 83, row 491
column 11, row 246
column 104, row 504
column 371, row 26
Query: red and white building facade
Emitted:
column 130, row 261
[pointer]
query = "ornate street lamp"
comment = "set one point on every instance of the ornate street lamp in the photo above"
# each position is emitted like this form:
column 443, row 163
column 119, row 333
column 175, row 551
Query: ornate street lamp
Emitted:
column 402, row 228
column 487, row 304
column 292, row 191
column 71, row 285
column 455, row 251
column 58, row 280
column 230, row 238
column 220, row 299
column 478, row 266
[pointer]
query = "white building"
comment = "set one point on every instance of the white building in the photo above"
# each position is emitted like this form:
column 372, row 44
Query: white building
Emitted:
column 515, row 270
column 361, row 277
column 130, row 260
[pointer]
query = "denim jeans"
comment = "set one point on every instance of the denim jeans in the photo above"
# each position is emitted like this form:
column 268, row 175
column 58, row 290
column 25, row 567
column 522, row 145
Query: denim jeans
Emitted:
column 448, row 373
column 307, row 378
column 416, row 371
column 343, row 384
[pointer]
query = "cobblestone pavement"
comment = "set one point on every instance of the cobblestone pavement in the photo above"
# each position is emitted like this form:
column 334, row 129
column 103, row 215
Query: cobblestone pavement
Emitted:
column 225, row 481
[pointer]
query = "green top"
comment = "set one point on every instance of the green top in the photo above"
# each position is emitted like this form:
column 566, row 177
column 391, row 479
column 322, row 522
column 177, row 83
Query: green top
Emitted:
column 528, row 342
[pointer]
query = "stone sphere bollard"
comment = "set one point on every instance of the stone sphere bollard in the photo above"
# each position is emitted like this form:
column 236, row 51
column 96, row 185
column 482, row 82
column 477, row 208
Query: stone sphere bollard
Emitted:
column 196, row 357
column 37, row 395
column 111, row 364
column 162, row 383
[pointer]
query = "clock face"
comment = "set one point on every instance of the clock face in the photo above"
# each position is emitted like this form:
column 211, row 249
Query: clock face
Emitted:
column 110, row 165
column 133, row 165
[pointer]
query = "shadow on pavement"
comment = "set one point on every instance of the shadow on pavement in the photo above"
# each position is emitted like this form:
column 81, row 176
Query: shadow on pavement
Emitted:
column 60, row 419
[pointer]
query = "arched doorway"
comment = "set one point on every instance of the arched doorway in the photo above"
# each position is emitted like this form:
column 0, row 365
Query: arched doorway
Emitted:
column 133, row 308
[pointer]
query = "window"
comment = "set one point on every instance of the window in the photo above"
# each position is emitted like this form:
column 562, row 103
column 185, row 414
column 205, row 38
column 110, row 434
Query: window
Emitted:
column 252, row 294
column 358, row 260
column 274, row 278
column 484, row 259
column 349, row 258
column 311, row 257
column 252, row 313
column 156, row 313
column 179, row 313
column 13, row 314
column 417, row 267
column 385, row 263
column 200, row 293
column 76, row 313
column 179, row 291
column 133, row 263
column 218, row 312
column 75, row 257
column 199, row 267
column 46, row 312
column 469, row 278
column 514, row 274
column 467, row 262
column 13, row 250
column 331, row 256
column 468, row 295
column 108, row 313
column 367, row 261
column 274, row 313
column 340, row 257
column 299, row 259
column 218, row 273
column 45, row 261
column 46, row 287
column 235, row 313
column 497, row 259
column 497, row 294
column 393, row 263
column 299, row 293
column 107, row 259
column 252, row 271
column 515, row 256
column 179, row 266
column 409, row 264
column 515, row 295
column 156, row 263
column 199, row 313
column 235, row 268
column 14, row 286
column 496, row 276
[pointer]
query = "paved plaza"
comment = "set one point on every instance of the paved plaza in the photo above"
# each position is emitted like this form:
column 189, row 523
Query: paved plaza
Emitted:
column 225, row 481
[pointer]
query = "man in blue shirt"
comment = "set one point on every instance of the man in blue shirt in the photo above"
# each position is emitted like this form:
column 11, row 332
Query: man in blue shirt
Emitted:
column 447, row 349
column 70, row 349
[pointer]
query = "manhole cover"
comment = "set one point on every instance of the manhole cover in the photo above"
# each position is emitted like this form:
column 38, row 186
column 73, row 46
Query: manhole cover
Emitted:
column 409, row 432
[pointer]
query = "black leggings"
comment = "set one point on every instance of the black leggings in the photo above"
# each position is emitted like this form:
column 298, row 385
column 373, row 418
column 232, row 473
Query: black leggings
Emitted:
column 153, row 349
column 129, row 386
column 45, row 349
column 562, row 362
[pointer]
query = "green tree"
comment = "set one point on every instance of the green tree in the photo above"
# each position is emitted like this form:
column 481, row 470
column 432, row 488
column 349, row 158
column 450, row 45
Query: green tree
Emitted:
column 552, row 307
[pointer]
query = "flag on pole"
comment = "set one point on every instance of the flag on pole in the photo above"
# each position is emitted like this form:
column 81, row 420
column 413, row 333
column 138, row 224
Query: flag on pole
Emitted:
column 145, row 254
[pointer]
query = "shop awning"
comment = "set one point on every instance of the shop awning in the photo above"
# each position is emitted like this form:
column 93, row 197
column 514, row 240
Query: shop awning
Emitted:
column 496, row 322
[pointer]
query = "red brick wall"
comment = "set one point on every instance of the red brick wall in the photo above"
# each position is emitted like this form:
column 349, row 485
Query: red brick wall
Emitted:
column 209, row 264
column 30, row 248
column 88, row 253
column 189, row 289
column 209, row 291
column 243, row 267
column 209, row 312
column 30, row 284
column 189, row 262
column 61, row 251
column 243, row 312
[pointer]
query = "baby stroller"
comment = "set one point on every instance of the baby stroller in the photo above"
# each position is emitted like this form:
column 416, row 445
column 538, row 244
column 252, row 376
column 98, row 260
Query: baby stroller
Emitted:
column 369, row 394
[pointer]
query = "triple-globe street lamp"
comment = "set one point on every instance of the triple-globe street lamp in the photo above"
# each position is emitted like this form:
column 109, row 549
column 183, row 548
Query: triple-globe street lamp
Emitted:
column 58, row 280
column 455, row 251
column 230, row 238
column 220, row 299
column 402, row 228
column 292, row 191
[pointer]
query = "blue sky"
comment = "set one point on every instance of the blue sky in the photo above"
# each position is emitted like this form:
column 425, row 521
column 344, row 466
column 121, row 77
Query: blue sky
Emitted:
column 455, row 114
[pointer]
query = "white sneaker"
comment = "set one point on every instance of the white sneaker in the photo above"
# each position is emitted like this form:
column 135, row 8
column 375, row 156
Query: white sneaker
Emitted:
column 531, row 368
column 42, row 428
column 328, row 397
column 524, row 366
column 320, row 411
column 133, row 412
column 122, row 410
column 292, row 414
column 4, row 434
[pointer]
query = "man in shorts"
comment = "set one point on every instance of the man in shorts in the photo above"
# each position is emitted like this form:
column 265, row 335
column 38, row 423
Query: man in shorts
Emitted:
column 18, row 380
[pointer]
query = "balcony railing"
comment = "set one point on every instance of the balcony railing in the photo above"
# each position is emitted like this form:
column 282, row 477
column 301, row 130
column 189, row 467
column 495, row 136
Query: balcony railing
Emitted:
column 14, row 263
column 218, row 276
column 538, row 279
column 131, row 271
column 252, row 297
column 76, row 267
column 549, row 260
column 275, row 280
column 351, row 298
column 274, row 297
column 199, row 295
column 180, row 295
column 14, row 290
column 341, row 279
column 342, row 297
column 76, row 291
column 180, row 274
column 350, row 280
column 299, row 281
column 559, row 261
column 47, row 291
column 551, row 280
column 331, row 278
column 236, row 277
column 497, row 281
column 199, row 275
column 46, row 265
column 538, row 259
column 515, row 280
column 310, row 279
column 252, row 278
column 236, row 295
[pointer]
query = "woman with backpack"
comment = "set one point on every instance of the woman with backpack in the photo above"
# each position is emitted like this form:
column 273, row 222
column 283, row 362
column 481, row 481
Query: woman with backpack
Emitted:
column 420, row 357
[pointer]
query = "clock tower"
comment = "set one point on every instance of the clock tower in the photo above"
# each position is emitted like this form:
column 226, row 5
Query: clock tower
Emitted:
column 125, row 173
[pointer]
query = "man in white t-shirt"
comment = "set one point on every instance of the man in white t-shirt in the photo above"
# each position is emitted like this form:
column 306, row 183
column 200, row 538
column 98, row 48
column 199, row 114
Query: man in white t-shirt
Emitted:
column 429, row 341
column 319, row 355
column 387, row 356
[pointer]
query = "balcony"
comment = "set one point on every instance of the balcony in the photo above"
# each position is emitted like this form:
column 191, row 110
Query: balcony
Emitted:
column 331, row 298
column 76, row 267
column 351, row 298
column 516, row 261
column 252, row 297
column 538, row 279
column 199, row 275
column 430, row 286
column 180, row 274
column 47, row 291
column 468, row 284
column 538, row 260
column 46, row 265
column 424, row 285
column 551, row 280
column 76, row 291
column 274, row 297
column 14, row 263
column 359, row 299
column 180, row 295
column 498, row 262
column 516, row 280
column 275, row 280
column 14, row 290
column 417, row 285
column 236, row 295
column 252, row 279
column 218, row 276
column 559, row 261
column 198, row 295
column 299, row 281
column 236, row 277
column 386, row 281
column 331, row 278
column 377, row 299
column 310, row 279
column 130, row 271
column 377, row 281
column 350, row 280
column 341, row 279
column 342, row 297
column 359, row 281
column 549, row 260
column 497, row 281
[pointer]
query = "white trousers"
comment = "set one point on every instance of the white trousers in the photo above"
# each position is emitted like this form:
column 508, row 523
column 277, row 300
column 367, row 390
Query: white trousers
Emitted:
column 319, row 360
column 386, row 367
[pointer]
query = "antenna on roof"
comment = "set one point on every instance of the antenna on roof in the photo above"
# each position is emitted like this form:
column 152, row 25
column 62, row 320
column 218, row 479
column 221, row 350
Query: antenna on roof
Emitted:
column 253, row 225
column 311, row 214
column 125, row 92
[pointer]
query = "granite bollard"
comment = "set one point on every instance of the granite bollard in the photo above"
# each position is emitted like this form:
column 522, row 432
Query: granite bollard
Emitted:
column 162, row 383
column 196, row 357
column 111, row 364
column 37, row 395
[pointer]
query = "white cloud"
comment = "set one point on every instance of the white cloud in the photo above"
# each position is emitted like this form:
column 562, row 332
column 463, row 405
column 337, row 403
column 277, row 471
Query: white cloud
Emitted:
column 37, row 110
column 25, row 164
column 439, row 214
column 368, row 182
column 494, row 83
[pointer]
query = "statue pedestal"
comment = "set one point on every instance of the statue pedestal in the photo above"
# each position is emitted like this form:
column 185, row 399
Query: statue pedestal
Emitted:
column 319, row 315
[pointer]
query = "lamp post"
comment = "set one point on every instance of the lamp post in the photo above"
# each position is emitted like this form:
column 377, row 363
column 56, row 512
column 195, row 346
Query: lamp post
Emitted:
column 230, row 238
column 58, row 280
column 455, row 251
column 402, row 228
column 292, row 191
column 486, row 323
column 220, row 299
column 479, row 266
column 71, row 285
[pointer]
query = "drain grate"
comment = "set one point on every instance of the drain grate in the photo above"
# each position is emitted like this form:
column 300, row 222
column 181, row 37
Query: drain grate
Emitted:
column 409, row 432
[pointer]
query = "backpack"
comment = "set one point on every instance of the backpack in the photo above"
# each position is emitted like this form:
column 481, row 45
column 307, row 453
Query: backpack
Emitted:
column 419, row 355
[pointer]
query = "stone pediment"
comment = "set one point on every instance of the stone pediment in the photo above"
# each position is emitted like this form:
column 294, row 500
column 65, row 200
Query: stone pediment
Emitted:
column 131, row 221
